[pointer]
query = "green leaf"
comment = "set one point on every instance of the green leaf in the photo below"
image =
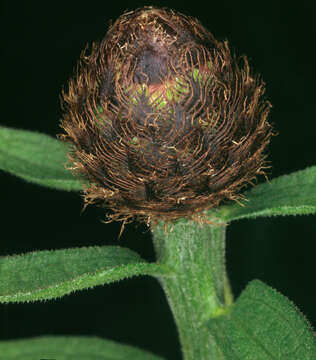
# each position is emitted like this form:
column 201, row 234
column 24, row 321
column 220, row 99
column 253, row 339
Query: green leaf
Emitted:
column 263, row 325
column 70, row 348
column 37, row 158
column 293, row 194
column 50, row 274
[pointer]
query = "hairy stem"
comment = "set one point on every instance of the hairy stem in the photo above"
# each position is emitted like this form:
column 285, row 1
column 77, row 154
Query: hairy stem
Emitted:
column 198, row 288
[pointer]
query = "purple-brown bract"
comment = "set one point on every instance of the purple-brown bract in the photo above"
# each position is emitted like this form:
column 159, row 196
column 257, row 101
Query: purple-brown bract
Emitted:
column 165, row 122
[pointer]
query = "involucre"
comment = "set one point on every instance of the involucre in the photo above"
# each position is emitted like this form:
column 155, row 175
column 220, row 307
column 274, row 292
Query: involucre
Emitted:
column 165, row 122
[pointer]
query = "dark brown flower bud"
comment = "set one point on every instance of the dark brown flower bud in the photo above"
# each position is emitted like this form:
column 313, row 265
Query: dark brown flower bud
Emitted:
column 165, row 122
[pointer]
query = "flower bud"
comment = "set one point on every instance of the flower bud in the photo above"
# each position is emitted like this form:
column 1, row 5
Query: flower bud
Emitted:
column 165, row 122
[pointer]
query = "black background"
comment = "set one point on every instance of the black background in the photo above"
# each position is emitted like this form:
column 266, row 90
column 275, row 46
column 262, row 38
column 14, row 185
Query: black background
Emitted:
column 42, row 42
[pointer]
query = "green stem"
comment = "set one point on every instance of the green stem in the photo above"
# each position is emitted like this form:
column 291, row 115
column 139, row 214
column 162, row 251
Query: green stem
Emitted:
column 197, row 288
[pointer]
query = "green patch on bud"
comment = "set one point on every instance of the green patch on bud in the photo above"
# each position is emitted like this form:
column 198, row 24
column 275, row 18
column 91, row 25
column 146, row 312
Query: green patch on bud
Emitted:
column 169, row 94
column 134, row 141
column 197, row 76
column 97, row 113
column 135, row 94
column 100, row 109
column 205, row 77
column 100, row 117
column 181, row 87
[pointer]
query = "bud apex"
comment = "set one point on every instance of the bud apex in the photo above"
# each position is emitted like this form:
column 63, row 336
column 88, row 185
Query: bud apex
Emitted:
column 164, row 121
